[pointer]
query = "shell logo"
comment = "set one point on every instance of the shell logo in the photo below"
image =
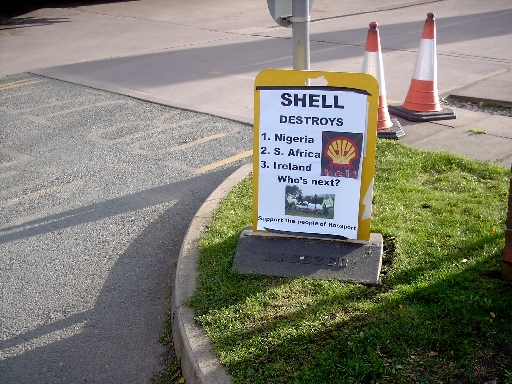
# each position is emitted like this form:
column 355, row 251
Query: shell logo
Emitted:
column 341, row 152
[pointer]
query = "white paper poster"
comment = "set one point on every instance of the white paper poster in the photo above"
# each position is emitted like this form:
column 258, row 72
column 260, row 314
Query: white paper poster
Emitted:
column 310, row 144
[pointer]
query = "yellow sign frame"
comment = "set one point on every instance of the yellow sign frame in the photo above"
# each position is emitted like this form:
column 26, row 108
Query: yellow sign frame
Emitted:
column 354, row 81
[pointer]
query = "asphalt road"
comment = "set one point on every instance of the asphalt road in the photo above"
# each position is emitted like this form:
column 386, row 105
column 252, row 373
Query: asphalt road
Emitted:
column 96, row 193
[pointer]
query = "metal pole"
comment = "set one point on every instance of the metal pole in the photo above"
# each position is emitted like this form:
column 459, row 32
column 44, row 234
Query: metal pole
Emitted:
column 300, row 33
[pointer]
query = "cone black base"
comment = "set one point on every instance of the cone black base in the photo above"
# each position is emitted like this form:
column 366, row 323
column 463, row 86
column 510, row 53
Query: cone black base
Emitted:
column 393, row 133
column 444, row 114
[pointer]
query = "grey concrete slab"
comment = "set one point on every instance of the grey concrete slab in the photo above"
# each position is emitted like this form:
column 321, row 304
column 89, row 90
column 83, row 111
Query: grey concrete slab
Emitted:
column 493, row 90
column 274, row 254
column 464, row 117
column 416, row 132
column 191, row 78
column 196, row 14
column 185, row 78
column 56, row 36
column 461, row 140
column 499, row 126
column 460, row 136
column 50, row 37
column 225, row 58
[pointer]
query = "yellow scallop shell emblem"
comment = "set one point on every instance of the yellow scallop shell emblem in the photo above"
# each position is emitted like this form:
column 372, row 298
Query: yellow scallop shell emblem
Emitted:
column 341, row 151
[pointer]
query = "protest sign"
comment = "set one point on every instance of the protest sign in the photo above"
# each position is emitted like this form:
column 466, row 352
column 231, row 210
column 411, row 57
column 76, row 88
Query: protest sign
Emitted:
column 314, row 153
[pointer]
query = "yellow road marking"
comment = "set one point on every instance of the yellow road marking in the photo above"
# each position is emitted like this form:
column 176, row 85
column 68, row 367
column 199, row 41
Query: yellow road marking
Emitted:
column 198, row 141
column 41, row 119
column 26, row 220
column 72, row 110
column 97, row 135
column 220, row 163
column 8, row 174
column 15, row 158
column 14, row 95
column 44, row 175
column 54, row 104
column 61, row 190
column 18, row 83
column 135, row 147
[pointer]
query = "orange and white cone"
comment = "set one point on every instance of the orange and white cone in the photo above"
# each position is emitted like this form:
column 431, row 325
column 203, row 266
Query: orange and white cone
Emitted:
column 372, row 64
column 422, row 100
column 422, row 95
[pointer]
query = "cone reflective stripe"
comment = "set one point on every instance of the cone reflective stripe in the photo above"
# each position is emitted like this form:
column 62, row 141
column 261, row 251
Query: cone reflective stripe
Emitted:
column 372, row 64
column 422, row 95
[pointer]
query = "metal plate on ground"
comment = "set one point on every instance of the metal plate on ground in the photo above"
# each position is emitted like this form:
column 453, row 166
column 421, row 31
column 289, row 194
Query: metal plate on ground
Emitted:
column 266, row 253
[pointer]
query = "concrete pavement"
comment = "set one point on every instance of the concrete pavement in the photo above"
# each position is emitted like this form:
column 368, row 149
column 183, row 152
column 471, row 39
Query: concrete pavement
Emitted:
column 195, row 56
column 187, row 54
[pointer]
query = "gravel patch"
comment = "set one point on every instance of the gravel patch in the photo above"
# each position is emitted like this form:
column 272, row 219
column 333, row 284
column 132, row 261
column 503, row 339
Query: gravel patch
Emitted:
column 480, row 107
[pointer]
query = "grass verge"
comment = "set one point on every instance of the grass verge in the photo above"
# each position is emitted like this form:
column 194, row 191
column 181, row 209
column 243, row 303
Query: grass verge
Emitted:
column 441, row 314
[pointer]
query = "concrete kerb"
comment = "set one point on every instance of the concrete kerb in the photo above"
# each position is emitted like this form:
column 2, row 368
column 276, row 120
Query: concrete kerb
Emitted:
column 199, row 363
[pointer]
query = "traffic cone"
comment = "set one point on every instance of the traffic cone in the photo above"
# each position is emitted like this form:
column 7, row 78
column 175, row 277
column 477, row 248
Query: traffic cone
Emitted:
column 372, row 64
column 422, row 101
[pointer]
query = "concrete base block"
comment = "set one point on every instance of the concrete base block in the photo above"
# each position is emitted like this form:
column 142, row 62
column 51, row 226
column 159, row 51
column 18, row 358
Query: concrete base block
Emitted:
column 444, row 114
column 265, row 253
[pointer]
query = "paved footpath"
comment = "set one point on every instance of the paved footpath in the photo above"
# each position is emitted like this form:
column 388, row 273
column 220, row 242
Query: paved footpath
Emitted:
column 204, row 57
column 97, row 189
